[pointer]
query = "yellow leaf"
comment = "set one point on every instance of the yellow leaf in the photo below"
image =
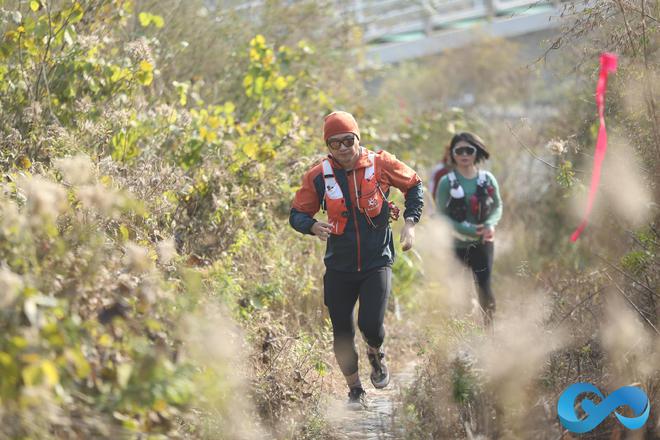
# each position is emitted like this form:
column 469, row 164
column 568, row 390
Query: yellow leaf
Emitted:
column 23, row 162
column 230, row 107
column 259, row 40
column 250, row 149
column 82, row 366
column 145, row 18
column 118, row 73
column 160, row 405
column 158, row 21
column 280, row 83
column 5, row 359
column 259, row 85
column 171, row 118
column 123, row 230
column 145, row 75
column 146, row 66
column 50, row 373
column 106, row 180
column 149, row 79
column 211, row 136
column 214, row 122
column 151, row 324
column 268, row 58
column 202, row 132
column 124, row 374
column 322, row 98
column 35, row 5
column 254, row 54
column 11, row 35
column 267, row 154
column 105, row 340
column 30, row 374
column 18, row 342
column 30, row 358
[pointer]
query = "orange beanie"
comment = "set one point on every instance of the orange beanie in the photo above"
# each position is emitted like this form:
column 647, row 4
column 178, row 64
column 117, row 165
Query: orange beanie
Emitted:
column 339, row 122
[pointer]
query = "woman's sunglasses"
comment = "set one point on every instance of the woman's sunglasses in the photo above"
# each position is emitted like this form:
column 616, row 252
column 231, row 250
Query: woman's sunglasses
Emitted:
column 467, row 150
column 348, row 141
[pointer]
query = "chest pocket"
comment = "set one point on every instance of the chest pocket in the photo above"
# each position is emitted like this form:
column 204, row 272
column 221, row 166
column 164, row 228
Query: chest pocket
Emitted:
column 370, row 198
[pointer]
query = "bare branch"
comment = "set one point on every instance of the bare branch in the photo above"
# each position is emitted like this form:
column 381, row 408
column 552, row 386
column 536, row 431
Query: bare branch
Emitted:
column 529, row 150
column 628, row 30
column 648, row 321
column 626, row 274
column 578, row 305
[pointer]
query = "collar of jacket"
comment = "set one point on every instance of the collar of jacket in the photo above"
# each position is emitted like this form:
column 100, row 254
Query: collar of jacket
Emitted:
column 362, row 162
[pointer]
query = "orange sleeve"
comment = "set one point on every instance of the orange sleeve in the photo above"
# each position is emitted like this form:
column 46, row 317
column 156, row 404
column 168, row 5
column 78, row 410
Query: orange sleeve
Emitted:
column 396, row 173
column 306, row 199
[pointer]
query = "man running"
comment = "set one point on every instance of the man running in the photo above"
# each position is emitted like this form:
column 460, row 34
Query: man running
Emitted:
column 352, row 184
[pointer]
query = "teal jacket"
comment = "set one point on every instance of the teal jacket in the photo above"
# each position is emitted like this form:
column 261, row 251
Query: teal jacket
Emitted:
column 468, row 229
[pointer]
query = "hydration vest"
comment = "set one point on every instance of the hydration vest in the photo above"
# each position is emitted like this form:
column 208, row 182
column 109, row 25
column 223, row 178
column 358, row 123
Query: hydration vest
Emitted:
column 480, row 203
column 369, row 196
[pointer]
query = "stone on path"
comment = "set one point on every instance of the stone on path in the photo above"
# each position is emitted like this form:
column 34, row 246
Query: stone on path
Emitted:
column 378, row 420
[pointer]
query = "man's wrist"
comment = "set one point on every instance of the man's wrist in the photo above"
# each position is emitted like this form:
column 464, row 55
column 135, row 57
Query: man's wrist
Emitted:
column 309, row 231
column 410, row 221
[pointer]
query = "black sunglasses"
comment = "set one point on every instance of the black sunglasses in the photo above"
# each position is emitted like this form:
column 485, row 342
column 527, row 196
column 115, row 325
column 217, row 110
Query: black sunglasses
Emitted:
column 467, row 150
column 336, row 144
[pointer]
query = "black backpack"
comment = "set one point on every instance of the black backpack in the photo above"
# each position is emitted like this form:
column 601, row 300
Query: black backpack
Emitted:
column 481, row 202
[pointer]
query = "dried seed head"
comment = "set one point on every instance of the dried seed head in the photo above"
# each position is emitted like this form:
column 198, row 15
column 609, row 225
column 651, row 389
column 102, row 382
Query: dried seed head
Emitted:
column 137, row 258
column 77, row 170
column 10, row 286
column 44, row 198
column 556, row 146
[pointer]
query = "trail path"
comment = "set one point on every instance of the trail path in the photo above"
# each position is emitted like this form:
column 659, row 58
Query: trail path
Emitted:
column 379, row 420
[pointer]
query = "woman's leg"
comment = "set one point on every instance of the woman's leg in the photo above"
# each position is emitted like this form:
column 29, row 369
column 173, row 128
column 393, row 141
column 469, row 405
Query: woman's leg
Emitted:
column 462, row 254
column 479, row 258
column 481, row 261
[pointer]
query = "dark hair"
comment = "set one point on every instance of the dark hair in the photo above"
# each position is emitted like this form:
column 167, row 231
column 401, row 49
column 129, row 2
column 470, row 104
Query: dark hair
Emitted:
column 472, row 139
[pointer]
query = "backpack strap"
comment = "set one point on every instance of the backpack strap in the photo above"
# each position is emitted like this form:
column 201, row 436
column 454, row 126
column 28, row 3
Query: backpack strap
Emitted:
column 452, row 178
column 455, row 188
column 370, row 171
column 332, row 188
column 482, row 179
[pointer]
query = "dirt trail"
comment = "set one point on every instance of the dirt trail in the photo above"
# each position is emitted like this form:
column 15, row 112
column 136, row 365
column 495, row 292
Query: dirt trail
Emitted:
column 378, row 421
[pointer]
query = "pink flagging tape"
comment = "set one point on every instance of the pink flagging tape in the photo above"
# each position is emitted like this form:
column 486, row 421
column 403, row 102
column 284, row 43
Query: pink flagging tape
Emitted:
column 608, row 62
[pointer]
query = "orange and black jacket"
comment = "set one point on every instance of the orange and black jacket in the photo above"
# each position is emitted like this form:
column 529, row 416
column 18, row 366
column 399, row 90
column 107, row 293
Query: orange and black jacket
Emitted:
column 362, row 246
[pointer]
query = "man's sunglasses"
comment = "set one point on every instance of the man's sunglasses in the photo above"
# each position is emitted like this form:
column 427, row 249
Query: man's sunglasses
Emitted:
column 467, row 150
column 348, row 141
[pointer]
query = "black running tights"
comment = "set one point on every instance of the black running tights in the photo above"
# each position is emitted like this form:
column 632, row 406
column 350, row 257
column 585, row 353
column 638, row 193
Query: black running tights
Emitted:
column 479, row 258
column 341, row 291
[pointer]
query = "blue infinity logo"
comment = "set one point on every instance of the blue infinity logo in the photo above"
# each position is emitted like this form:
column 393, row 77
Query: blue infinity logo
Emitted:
column 632, row 397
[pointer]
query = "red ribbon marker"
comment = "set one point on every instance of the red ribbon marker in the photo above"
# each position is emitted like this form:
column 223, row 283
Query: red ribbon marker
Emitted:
column 607, row 65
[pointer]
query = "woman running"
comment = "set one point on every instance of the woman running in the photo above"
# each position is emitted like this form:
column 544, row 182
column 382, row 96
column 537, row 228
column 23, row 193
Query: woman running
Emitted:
column 470, row 198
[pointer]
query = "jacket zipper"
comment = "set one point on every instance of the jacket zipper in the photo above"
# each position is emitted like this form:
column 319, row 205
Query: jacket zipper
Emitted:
column 357, row 230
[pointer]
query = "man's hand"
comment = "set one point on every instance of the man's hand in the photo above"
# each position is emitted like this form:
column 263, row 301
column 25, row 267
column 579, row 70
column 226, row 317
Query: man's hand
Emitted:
column 407, row 235
column 321, row 230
